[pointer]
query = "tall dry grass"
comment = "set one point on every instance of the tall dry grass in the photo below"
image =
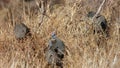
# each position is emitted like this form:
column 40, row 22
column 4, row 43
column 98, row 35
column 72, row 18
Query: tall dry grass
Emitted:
column 68, row 18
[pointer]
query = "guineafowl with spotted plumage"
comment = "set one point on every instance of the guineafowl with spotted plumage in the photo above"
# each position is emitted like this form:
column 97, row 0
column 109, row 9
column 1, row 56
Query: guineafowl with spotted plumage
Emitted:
column 21, row 30
column 56, row 49
column 99, row 22
column 56, row 44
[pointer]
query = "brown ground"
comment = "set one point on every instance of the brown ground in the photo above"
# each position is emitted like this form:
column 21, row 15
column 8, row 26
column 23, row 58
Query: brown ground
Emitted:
column 68, row 18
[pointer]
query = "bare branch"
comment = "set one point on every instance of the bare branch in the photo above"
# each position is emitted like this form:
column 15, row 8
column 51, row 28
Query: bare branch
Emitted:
column 99, row 9
column 42, row 10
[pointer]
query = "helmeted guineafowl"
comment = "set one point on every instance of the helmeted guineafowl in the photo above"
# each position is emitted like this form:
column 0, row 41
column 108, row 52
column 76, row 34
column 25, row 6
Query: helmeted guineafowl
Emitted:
column 20, row 30
column 56, row 44
column 56, row 49
column 99, row 21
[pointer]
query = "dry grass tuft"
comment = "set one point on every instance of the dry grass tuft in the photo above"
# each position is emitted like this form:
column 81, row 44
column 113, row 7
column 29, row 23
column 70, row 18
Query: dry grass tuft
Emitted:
column 84, row 49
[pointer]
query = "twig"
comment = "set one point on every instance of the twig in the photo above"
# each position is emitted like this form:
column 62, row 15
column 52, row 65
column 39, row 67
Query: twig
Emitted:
column 42, row 10
column 11, row 17
column 99, row 9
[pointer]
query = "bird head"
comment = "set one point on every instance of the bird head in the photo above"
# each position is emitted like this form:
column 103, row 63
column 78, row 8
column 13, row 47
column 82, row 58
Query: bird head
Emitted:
column 53, row 35
column 91, row 14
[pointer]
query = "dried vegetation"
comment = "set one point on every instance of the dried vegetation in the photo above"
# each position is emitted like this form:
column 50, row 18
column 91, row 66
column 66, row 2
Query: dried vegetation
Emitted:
column 68, row 18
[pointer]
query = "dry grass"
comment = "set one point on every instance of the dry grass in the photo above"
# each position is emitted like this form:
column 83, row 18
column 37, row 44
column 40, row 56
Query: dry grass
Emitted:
column 85, row 50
